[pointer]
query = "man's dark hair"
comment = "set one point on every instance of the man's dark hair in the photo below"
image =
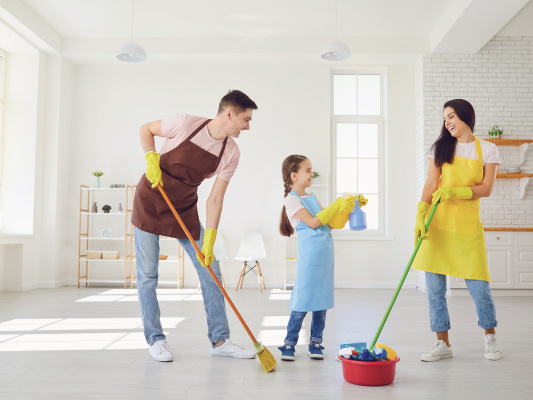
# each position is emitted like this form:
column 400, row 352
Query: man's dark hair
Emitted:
column 237, row 100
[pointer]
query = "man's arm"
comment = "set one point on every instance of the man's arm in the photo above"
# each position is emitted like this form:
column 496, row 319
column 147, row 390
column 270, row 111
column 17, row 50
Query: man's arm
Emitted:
column 214, row 203
column 147, row 133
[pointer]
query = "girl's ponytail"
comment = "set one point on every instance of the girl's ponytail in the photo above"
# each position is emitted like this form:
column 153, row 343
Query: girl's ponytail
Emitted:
column 290, row 164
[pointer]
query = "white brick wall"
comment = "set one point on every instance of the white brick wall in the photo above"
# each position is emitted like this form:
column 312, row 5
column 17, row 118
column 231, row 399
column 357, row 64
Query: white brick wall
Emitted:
column 498, row 81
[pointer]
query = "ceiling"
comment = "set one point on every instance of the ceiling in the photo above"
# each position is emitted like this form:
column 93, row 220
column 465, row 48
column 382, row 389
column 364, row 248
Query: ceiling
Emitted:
column 263, row 31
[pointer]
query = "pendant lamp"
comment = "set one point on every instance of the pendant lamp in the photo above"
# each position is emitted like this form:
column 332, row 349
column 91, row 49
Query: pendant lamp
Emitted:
column 131, row 52
column 336, row 50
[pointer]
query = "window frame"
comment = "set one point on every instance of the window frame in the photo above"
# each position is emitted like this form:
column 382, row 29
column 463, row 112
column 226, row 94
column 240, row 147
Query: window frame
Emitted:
column 379, row 120
column 3, row 56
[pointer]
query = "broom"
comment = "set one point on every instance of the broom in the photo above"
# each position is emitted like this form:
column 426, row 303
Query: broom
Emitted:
column 420, row 239
column 265, row 356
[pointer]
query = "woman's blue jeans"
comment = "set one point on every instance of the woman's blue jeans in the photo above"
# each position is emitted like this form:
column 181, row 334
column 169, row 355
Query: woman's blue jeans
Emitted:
column 147, row 260
column 295, row 324
column 438, row 307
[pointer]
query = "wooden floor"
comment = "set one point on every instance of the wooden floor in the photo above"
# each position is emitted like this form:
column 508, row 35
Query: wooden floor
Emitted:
column 87, row 343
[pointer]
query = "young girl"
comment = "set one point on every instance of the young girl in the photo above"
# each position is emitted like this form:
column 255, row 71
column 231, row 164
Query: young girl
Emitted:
column 313, row 289
column 462, row 169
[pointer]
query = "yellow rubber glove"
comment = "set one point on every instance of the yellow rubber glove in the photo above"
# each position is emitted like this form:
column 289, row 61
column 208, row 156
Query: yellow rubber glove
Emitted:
column 362, row 200
column 340, row 204
column 420, row 226
column 446, row 193
column 153, row 170
column 210, row 236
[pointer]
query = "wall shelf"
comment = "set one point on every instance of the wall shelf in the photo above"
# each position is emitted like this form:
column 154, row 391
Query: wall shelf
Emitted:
column 510, row 229
column 508, row 142
column 513, row 176
column 522, row 148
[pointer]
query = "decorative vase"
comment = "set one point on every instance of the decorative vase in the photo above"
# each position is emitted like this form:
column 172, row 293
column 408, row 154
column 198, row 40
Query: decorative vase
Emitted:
column 97, row 182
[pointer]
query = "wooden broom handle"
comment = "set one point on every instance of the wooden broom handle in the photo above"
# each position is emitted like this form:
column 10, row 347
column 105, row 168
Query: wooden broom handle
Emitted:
column 203, row 259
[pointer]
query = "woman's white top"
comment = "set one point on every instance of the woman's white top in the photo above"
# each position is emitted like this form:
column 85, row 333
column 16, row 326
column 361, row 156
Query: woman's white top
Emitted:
column 468, row 150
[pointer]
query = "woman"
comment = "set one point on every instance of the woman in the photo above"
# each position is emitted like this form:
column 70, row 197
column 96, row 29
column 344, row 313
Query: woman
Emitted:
column 462, row 169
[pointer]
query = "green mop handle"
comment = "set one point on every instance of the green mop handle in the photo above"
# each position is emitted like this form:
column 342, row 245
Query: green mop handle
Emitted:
column 403, row 278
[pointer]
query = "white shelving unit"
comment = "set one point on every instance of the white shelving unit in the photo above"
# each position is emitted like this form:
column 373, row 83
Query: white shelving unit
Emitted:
column 90, row 239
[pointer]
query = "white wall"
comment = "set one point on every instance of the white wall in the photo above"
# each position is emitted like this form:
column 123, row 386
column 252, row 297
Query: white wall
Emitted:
column 111, row 102
column 20, row 140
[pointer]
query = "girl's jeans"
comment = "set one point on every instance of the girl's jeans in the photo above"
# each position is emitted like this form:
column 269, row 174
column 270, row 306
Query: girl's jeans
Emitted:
column 295, row 324
column 438, row 308
column 147, row 256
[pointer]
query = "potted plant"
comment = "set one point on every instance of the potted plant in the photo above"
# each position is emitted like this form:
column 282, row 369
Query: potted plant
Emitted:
column 97, row 174
column 106, row 209
column 495, row 132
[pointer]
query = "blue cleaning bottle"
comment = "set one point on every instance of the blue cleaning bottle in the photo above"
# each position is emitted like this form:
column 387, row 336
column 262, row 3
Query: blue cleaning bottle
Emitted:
column 357, row 218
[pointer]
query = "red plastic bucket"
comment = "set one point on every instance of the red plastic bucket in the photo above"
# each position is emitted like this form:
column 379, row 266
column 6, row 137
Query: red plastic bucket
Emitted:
column 369, row 373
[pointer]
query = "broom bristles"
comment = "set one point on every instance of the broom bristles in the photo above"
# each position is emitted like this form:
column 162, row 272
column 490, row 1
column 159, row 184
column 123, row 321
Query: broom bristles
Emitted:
column 265, row 356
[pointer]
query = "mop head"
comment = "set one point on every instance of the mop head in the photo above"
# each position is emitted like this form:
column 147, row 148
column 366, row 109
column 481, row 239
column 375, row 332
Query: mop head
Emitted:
column 265, row 356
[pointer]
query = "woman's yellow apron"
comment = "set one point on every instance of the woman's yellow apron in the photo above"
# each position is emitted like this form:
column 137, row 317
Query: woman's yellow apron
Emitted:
column 455, row 242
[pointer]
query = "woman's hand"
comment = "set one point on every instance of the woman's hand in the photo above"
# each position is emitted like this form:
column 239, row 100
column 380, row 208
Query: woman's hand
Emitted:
column 420, row 226
column 446, row 193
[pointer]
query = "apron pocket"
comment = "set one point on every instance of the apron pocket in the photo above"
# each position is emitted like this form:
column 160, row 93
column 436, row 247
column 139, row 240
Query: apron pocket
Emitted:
column 458, row 219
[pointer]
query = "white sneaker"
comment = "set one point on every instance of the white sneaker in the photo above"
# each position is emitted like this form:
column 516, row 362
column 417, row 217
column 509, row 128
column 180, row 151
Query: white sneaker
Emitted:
column 492, row 352
column 439, row 352
column 160, row 351
column 230, row 349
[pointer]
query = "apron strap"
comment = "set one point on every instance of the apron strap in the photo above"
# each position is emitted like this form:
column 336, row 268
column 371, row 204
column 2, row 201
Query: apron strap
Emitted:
column 479, row 154
column 198, row 129
column 222, row 151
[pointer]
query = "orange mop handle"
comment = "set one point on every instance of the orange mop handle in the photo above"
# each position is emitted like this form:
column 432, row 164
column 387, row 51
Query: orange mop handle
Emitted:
column 203, row 259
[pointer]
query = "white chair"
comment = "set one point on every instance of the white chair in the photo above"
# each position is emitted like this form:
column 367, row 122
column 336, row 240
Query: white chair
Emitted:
column 252, row 248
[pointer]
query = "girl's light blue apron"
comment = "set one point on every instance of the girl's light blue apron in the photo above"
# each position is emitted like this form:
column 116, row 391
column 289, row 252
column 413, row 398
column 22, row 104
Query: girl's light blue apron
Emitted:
column 313, row 289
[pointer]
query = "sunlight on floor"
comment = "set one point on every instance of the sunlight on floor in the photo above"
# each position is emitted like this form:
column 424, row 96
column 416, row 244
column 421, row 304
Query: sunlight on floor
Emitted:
column 280, row 294
column 131, row 295
column 76, row 341
column 277, row 320
column 275, row 337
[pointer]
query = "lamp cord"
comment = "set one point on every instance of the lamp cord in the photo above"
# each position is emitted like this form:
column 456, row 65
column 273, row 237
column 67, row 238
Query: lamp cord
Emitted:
column 132, row 13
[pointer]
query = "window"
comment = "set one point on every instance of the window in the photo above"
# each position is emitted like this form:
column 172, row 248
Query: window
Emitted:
column 357, row 142
column 2, row 86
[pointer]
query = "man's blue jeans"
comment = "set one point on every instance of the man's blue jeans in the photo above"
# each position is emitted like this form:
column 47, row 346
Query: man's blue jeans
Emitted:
column 295, row 324
column 147, row 256
column 438, row 307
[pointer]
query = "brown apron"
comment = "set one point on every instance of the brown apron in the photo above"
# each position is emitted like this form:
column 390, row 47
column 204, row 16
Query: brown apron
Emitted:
column 183, row 170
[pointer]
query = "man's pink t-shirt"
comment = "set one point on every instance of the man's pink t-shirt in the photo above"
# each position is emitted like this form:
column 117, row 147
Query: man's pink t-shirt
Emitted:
column 179, row 127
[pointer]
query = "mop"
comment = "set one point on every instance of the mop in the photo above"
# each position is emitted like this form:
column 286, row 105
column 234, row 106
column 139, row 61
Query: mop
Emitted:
column 368, row 354
column 265, row 356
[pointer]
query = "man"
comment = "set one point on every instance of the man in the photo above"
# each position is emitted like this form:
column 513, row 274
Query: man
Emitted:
column 195, row 148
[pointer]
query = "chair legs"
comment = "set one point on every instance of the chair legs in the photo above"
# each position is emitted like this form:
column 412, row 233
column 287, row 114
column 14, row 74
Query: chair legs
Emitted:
column 241, row 276
column 260, row 276
column 245, row 269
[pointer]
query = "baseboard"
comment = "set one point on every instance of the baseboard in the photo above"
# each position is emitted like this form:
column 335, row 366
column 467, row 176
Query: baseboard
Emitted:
column 30, row 286
column 53, row 285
